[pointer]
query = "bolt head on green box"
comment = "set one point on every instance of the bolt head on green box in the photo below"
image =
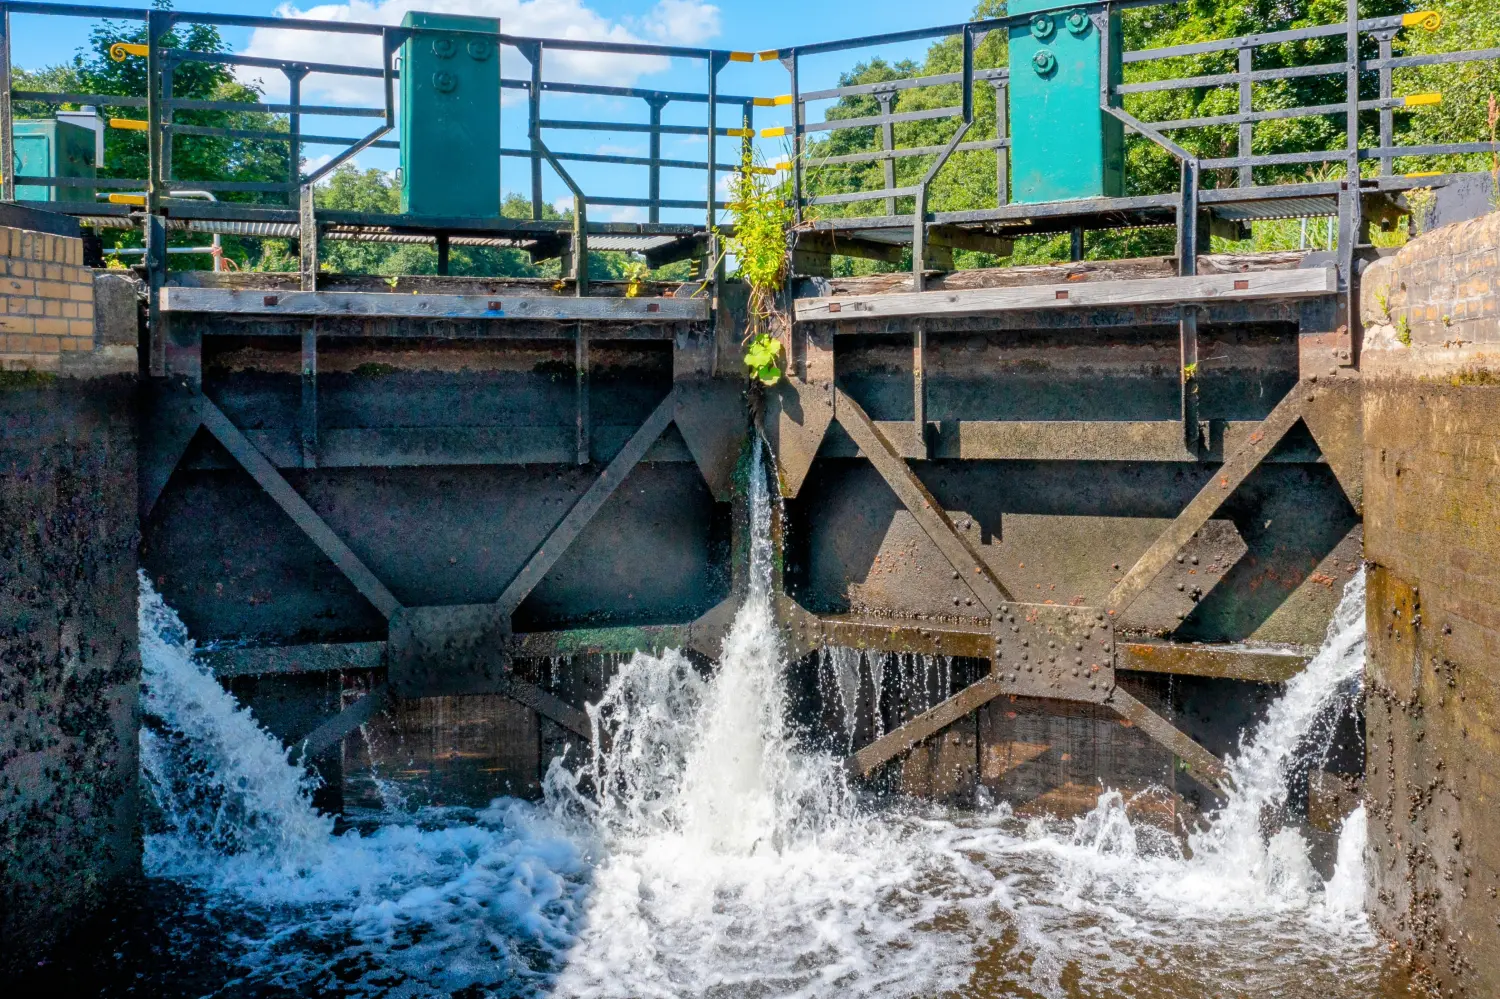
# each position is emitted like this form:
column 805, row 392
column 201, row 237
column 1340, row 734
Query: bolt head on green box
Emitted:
column 1063, row 147
column 450, row 117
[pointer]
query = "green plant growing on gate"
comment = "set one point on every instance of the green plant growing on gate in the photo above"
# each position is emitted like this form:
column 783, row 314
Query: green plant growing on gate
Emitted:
column 762, row 218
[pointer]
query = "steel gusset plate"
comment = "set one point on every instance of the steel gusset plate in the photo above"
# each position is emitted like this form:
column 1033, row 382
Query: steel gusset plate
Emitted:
column 1060, row 652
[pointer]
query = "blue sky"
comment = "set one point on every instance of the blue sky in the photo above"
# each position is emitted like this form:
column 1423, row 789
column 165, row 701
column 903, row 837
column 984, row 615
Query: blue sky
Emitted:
column 725, row 24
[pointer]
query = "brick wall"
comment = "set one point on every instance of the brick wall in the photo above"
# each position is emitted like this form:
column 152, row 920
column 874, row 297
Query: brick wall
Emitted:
column 1431, row 372
column 49, row 300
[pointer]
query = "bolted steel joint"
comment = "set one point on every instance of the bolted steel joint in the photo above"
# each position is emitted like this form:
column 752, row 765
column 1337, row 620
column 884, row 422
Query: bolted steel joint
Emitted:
column 1044, row 62
column 1042, row 27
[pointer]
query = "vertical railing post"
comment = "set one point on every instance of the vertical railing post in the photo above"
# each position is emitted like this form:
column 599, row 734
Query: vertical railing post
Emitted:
column 1247, row 129
column 294, row 75
column 716, row 62
column 7, row 140
column 158, row 23
column 1385, row 37
column 1350, row 222
column 532, row 51
column 169, row 66
column 798, row 113
column 1002, row 132
column 656, row 103
column 1187, row 323
column 888, row 143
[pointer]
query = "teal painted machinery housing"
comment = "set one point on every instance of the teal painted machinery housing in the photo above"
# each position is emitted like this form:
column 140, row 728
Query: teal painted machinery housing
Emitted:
column 1063, row 147
column 51, row 148
column 450, row 117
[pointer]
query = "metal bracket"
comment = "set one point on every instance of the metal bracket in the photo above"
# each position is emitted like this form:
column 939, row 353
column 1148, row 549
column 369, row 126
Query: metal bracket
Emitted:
column 1047, row 650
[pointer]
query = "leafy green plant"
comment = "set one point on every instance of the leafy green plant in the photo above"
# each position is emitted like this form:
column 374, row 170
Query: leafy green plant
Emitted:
column 763, row 357
column 758, row 242
column 636, row 276
column 1383, row 299
column 1403, row 331
column 1190, row 371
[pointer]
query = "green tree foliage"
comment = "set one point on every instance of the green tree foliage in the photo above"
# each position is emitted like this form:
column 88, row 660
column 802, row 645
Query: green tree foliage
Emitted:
column 1467, row 88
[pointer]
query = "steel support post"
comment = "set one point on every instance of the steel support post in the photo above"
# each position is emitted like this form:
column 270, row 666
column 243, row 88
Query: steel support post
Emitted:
column 656, row 103
column 532, row 52
column 919, row 385
column 308, row 417
column 888, row 143
column 799, row 112
column 1075, row 243
column 1350, row 225
column 307, row 238
column 294, row 77
column 716, row 62
column 158, row 23
column 1187, row 323
column 441, row 241
column 1385, row 37
column 581, row 393
column 168, row 65
column 7, row 138
column 1002, row 153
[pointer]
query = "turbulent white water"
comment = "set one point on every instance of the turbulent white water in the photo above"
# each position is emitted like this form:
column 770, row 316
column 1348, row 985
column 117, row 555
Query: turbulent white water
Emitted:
column 713, row 856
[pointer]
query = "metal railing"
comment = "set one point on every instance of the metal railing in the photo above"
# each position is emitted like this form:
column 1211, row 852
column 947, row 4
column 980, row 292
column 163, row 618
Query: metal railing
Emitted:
column 159, row 106
column 809, row 153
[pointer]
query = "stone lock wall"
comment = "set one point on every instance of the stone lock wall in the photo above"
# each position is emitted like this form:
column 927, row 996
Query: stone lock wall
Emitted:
column 69, row 651
column 1431, row 371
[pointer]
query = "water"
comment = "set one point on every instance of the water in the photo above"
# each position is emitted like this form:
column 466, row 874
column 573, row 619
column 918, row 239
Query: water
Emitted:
column 717, row 856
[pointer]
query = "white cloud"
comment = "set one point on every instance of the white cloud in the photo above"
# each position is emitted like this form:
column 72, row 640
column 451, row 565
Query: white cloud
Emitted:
column 677, row 21
column 680, row 22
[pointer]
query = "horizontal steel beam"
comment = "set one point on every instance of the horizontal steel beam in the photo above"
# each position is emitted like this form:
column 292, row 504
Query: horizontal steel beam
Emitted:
column 1217, row 661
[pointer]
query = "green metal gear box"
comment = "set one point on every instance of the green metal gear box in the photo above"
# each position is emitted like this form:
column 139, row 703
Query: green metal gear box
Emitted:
column 1063, row 146
column 50, row 148
column 450, row 117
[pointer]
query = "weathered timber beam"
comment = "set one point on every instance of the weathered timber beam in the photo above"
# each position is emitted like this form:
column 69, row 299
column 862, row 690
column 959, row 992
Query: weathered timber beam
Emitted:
column 546, row 705
column 1201, row 507
column 297, row 508
column 1207, row 767
column 1253, row 665
column 597, row 641
column 431, row 447
column 929, row 514
column 925, row 725
column 851, row 246
column 331, row 732
column 227, row 301
column 293, row 659
column 589, row 504
column 1203, row 288
column 979, row 241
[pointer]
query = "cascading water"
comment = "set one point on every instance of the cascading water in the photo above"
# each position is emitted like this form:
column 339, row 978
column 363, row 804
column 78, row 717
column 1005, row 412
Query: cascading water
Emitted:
column 714, row 856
